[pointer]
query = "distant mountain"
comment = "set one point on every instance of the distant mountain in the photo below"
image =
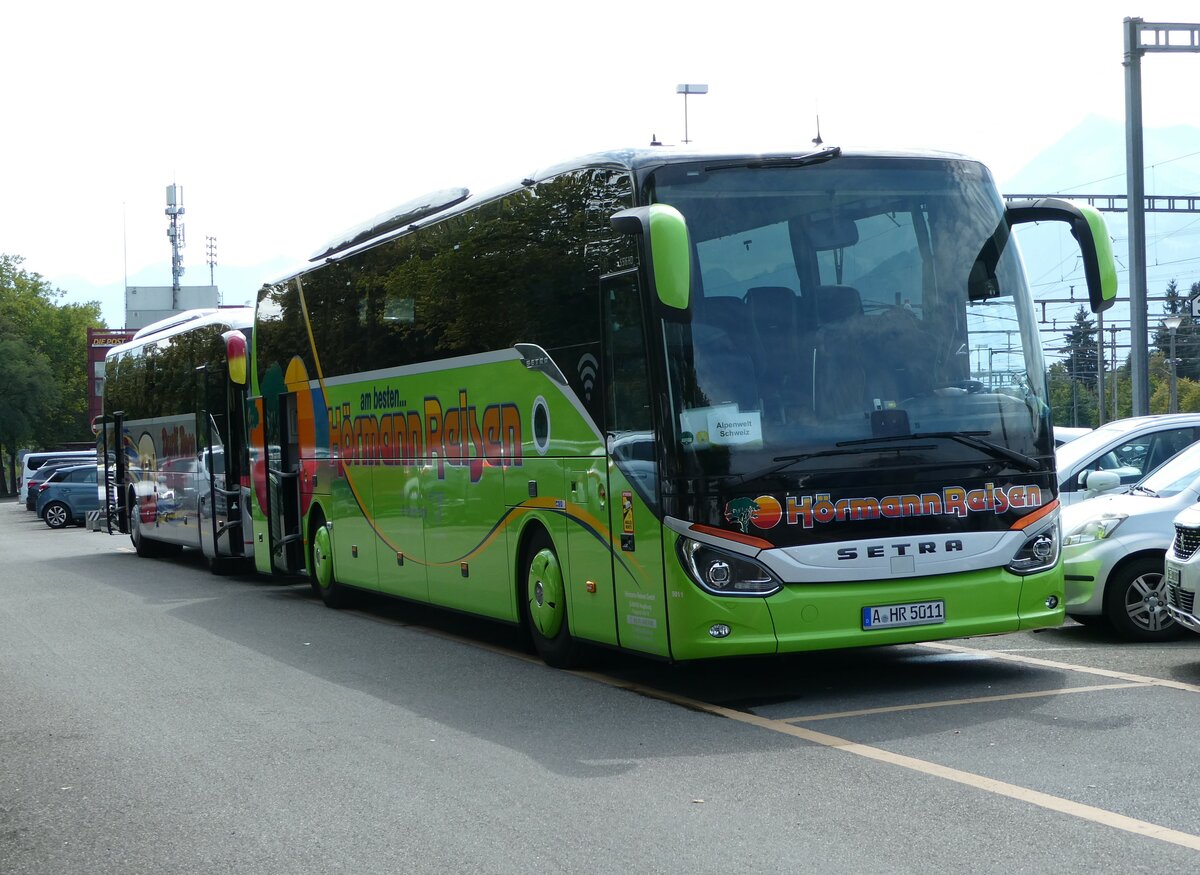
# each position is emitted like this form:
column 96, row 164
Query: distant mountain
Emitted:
column 1090, row 159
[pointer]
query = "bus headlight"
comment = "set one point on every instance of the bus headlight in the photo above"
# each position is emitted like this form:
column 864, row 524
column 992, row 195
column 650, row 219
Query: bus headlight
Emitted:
column 1038, row 553
column 721, row 573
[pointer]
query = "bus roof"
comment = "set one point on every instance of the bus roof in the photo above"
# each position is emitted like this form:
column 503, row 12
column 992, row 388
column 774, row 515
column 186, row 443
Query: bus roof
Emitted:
column 188, row 320
column 438, row 205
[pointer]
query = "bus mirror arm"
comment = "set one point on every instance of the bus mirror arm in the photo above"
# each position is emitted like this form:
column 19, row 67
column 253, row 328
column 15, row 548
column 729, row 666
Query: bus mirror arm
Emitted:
column 1088, row 228
column 667, row 246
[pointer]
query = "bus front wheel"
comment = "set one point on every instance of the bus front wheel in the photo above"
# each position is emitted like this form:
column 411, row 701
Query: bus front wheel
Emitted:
column 320, row 567
column 544, row 599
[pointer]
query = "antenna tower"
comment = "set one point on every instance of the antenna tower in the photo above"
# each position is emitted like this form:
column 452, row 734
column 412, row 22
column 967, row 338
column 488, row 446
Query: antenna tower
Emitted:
column 176, row 235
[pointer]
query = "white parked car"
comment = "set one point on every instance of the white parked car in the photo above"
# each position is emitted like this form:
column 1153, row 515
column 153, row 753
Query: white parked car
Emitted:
column 1064, row 434
column 1114, row 548
column 1183, row 569
column 1120, row 453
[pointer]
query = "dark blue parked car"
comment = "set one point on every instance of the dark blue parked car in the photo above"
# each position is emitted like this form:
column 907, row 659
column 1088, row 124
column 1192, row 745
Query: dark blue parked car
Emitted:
column 68, row 495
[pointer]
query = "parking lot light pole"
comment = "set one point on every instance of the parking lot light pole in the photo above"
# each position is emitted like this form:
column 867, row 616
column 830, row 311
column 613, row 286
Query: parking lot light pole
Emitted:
column 685, row 90
column 1172, row 323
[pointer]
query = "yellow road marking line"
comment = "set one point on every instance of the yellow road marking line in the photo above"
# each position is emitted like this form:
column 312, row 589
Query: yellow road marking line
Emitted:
column 979, row 782
column 1066, row 666
column 977, row 700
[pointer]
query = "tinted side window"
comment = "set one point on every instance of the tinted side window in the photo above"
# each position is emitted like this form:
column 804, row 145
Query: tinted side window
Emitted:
column 521, row 269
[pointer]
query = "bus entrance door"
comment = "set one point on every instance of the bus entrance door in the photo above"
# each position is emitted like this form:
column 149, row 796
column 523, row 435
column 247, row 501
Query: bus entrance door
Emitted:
column 283, row 468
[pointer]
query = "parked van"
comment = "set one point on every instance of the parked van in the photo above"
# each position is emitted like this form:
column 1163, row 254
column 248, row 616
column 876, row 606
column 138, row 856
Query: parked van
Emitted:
column 33, row 461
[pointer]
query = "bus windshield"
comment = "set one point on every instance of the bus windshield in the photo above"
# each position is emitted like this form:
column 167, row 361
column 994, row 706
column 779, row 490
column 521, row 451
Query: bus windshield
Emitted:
column 848, row 304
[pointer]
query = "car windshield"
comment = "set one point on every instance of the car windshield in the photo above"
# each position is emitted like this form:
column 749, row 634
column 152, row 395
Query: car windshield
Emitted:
column 1084, row 447
column 1174, row 475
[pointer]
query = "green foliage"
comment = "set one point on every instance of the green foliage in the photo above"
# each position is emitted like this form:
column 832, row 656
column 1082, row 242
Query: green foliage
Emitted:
column 43, row 362
column 1187, row 336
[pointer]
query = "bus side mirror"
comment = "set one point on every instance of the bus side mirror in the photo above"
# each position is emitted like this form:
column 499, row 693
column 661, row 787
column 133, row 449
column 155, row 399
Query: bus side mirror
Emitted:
column 666, row 241
column 235, row 355
column 1088, row 228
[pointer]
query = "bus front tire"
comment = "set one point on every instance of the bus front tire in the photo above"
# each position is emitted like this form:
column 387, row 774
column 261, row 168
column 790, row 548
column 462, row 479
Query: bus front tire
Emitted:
column 320, row 568
column 544, row 601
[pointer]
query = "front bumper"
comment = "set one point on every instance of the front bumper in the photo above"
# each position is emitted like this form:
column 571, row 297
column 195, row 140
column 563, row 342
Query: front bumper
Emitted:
column 1183, row 581
column 1086, row 569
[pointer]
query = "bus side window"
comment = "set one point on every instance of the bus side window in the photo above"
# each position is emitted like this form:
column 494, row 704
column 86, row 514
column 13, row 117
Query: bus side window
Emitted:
column 628, row 371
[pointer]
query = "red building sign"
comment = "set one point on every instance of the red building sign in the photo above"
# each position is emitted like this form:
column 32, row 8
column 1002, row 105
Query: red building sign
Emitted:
column 100, row 341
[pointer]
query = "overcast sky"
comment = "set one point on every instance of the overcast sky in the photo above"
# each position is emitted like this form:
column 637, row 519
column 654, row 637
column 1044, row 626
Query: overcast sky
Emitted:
column 286, row 122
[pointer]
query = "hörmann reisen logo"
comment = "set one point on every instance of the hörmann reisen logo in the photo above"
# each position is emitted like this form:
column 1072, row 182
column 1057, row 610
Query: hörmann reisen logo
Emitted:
column 458, row 435
column 765, row 512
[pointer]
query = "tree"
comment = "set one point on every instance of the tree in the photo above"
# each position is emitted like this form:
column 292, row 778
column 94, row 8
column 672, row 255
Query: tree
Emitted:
column 44, row 404
column 1073, row 385
column 1082, row 349
column 29, row 394
column 1187, row 336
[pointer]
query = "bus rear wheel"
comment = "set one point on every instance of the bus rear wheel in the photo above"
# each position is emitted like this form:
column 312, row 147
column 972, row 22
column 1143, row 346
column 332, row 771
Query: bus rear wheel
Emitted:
column 320, row 567
column 544, row 603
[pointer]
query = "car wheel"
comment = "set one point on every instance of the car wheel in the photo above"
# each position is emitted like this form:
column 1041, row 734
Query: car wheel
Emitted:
column 544, row 602
column 56, row 514
column 1135, row 602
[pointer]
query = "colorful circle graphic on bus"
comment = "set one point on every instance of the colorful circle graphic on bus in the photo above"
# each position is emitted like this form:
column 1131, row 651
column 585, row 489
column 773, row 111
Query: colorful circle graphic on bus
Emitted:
column 764, row 512
column 770, row 512
column 147, row 462
column 312, row 432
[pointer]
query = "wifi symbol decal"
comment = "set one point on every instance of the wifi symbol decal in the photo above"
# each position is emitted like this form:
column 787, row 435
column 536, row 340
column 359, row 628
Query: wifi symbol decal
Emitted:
column 587, row 374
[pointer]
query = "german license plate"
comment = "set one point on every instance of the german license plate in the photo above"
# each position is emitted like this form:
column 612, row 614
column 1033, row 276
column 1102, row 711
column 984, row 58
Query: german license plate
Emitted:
column 909, row 614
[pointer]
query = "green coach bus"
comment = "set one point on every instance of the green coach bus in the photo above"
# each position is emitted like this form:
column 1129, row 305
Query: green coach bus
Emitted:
column 687, row 405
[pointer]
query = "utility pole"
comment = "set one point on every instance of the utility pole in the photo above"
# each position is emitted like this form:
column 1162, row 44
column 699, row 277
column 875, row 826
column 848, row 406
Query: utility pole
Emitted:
column 212, row 257
column 1142, row 37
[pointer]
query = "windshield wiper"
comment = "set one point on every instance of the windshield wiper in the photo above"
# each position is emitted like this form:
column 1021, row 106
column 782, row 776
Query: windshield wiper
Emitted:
column 967, row 438
column 817, row 157
column 1146, row 489
column 787, row 461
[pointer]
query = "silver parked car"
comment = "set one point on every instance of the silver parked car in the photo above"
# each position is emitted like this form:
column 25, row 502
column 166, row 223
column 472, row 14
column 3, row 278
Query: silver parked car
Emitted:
column 1114, row 548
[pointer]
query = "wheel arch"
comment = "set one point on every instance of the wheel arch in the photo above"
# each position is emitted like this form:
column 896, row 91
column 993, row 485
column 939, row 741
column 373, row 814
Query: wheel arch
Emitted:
column 1159, row 555
column 316, row 516
column 529, row 530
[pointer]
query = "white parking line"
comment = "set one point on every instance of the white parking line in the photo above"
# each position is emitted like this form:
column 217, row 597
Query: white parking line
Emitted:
column 1066, row 666
column 977, row 700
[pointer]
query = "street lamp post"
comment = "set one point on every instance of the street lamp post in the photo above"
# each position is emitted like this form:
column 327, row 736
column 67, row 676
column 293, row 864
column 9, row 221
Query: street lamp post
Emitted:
column 1172, row 324
column 685, row 90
